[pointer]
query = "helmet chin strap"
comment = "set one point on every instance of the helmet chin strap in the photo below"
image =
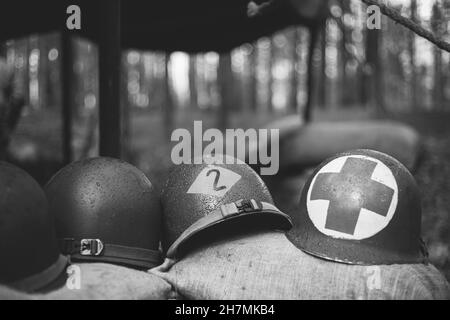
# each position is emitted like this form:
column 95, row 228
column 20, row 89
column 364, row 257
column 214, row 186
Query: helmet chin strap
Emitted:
column 38, row 281
column 229, row 211
column 95, row 250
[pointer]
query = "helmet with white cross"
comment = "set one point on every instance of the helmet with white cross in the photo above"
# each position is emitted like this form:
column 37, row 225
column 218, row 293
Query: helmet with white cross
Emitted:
column 361, row 207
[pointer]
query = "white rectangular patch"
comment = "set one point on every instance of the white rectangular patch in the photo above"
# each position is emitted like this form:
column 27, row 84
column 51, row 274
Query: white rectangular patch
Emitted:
column 214, row 181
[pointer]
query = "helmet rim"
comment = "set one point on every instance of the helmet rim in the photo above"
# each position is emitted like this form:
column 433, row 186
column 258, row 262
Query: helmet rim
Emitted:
column 283, row 222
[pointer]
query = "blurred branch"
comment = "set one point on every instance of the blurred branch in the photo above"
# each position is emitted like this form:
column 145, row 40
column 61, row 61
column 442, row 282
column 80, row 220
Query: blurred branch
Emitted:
column 16, row 106
column 255, row 9
column 410, row 24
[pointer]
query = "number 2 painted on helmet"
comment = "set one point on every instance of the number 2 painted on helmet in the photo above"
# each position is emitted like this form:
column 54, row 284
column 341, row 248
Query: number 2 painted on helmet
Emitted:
column 216, row 179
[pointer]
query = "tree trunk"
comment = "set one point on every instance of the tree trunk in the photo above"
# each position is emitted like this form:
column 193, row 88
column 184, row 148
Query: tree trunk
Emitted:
column 322, row 92
column 168, row 106
column 225, row 81
column 346, row 96
column 295, row 56
column 272, row 57
column 43, row 71
column 193, row 96
column 311, row 80
column 54, row 75
column 374, row 69
column 438, row 88
column 125, row 109
column 11, row 105
column 26, row 71
column 412, row 55
column 253, row 87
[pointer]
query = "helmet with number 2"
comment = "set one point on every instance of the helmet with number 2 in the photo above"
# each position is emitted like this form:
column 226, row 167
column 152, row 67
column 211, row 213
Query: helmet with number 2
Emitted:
column 361, row 207
column 202, row 201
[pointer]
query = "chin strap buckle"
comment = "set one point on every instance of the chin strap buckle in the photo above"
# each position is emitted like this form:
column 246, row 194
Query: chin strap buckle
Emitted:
column 91, row 247
column 239, row 207
column 84, row 247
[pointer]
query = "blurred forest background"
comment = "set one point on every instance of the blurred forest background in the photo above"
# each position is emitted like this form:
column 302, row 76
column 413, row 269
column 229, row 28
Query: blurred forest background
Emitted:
column 359, row 74
column 380, row 71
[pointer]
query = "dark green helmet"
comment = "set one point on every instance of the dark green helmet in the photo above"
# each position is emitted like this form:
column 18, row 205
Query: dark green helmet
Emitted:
column 106, row 210
column 30, row 258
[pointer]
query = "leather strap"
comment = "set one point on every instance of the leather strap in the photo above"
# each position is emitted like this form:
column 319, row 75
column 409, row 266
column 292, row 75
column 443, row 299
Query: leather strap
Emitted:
column 97, row 250
column 230, row 211
column 42, row 279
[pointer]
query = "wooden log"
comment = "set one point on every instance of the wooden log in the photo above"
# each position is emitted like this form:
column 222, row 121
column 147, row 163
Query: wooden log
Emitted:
column 313, row 143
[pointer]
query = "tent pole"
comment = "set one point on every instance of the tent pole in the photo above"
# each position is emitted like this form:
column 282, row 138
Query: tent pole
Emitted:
column 3, row 49
column 67, row 70
column 313, row 36
column 109, row 74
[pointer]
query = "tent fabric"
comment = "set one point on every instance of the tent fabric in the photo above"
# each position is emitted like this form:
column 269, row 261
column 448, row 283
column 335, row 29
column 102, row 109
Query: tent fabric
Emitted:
column 10, row 294
column 168, row 25
column 268, row 266
column 100, row 281
column 306, row 145
column 315, row 142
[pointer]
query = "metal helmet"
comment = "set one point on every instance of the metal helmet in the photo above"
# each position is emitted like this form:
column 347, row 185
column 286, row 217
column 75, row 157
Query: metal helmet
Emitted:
column 361, row 207
column 30, row 259
column 214, row 196
column 106, row 210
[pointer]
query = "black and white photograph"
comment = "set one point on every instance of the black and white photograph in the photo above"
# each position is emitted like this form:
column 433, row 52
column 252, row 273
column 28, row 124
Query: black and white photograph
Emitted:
column 236, row 152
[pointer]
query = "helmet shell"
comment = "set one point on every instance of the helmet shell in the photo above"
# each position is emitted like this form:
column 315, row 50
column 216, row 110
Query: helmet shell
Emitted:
column 361, row 207
column 194, row 191
column 30, row 256
column 106, row 199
